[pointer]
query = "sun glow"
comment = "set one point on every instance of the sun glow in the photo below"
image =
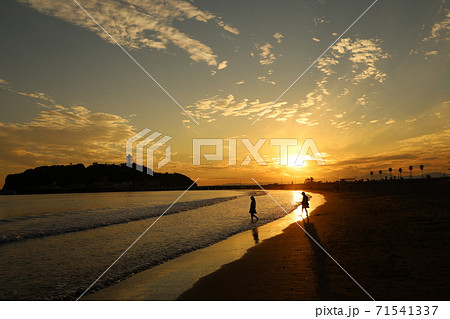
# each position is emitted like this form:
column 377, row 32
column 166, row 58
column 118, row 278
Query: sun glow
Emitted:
column 295, row 161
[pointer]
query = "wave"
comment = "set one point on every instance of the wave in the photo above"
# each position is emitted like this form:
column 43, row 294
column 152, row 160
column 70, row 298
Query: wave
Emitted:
column 28, row 227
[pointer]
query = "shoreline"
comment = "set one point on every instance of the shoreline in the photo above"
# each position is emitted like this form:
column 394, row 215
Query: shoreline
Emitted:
column 393, row 246
column 169, row 280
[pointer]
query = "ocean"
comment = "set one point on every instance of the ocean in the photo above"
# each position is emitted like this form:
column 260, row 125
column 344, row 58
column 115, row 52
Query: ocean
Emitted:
column 52, row 247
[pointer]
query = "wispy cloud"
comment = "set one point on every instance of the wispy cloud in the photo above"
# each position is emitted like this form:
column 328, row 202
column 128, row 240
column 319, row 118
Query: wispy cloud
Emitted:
column 229, row 106
column 433, row 141
column 319, row 20
column 440, row 31
column 305, row 119
column 222, row 65
column 437, row 35
column 266, row 57
column 228, row 28
column 363, row 53
column 60, row 135
column 38, row 95
column 362, row 100
column 390, row 121
column 138, row 23
column 34, row 95
column 279, row 37
column 265, row 80
column 315, row 97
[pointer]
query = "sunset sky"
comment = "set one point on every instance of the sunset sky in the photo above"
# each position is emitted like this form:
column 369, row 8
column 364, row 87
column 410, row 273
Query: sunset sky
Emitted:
column 378, row 98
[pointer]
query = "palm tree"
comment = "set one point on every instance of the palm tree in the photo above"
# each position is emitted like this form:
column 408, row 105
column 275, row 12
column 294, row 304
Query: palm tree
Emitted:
column 371, row 174
column 380, row 172
column 390, row 172
column 400, row 172
column 421, row 168
column 410, row 171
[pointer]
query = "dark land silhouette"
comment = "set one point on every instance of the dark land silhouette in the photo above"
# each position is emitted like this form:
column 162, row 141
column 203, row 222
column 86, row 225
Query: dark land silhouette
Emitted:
column 93, row 178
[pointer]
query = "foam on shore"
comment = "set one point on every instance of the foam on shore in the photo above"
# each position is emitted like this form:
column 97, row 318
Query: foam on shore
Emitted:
column 168, row 280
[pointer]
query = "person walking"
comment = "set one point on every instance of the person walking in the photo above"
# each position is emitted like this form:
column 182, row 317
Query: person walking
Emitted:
column 305, row 203
column 253, row 208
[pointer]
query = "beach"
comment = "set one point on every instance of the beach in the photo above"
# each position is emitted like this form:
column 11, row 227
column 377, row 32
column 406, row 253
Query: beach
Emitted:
column 53, row 246
column 394, row 246
column 360, row 242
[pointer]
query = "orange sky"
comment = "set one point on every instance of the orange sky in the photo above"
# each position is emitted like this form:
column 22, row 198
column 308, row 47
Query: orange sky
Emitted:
column 378, row 98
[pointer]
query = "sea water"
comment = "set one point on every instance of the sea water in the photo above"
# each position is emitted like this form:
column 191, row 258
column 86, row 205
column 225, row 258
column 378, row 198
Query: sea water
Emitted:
column 52, row 247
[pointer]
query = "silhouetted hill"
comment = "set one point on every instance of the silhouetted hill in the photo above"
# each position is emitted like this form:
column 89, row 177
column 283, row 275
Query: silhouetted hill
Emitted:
column 94, row 178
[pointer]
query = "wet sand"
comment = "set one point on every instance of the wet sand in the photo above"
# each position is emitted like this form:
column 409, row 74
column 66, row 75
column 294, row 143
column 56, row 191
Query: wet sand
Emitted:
column 394, row 246
column 168, row 280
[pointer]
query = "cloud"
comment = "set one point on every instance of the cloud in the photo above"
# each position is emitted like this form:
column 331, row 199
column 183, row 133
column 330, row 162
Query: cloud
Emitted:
column 228, row 28
column 317, row 20
column 279, row 37
column 137, row 24
column 315, row 97
column 345, row 92
column 433, row 161
column 37, row 95
column 59, row 135
column 440, row 30
column 282, row 112
column 390, row 121
column 228, row 106
column 315, row 39
column 326, row 65
column 362, row 100
column 265, row 80
column 222, row 65
column 265, row 54
column 432, row 141
column 376, row 160
column 438, row 34
column 239, row 82
column 304, row 119
column 362, row 53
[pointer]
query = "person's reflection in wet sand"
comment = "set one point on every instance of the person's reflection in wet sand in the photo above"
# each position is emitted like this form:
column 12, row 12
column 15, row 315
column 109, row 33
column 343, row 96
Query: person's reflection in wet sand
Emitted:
column 255, row 235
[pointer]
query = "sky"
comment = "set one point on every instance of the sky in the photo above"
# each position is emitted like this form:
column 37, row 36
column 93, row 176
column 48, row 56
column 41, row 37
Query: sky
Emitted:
column 377, row 98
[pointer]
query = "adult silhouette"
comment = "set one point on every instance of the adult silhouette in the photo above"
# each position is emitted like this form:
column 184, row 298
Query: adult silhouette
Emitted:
column 252, row 210
column 305, row 203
